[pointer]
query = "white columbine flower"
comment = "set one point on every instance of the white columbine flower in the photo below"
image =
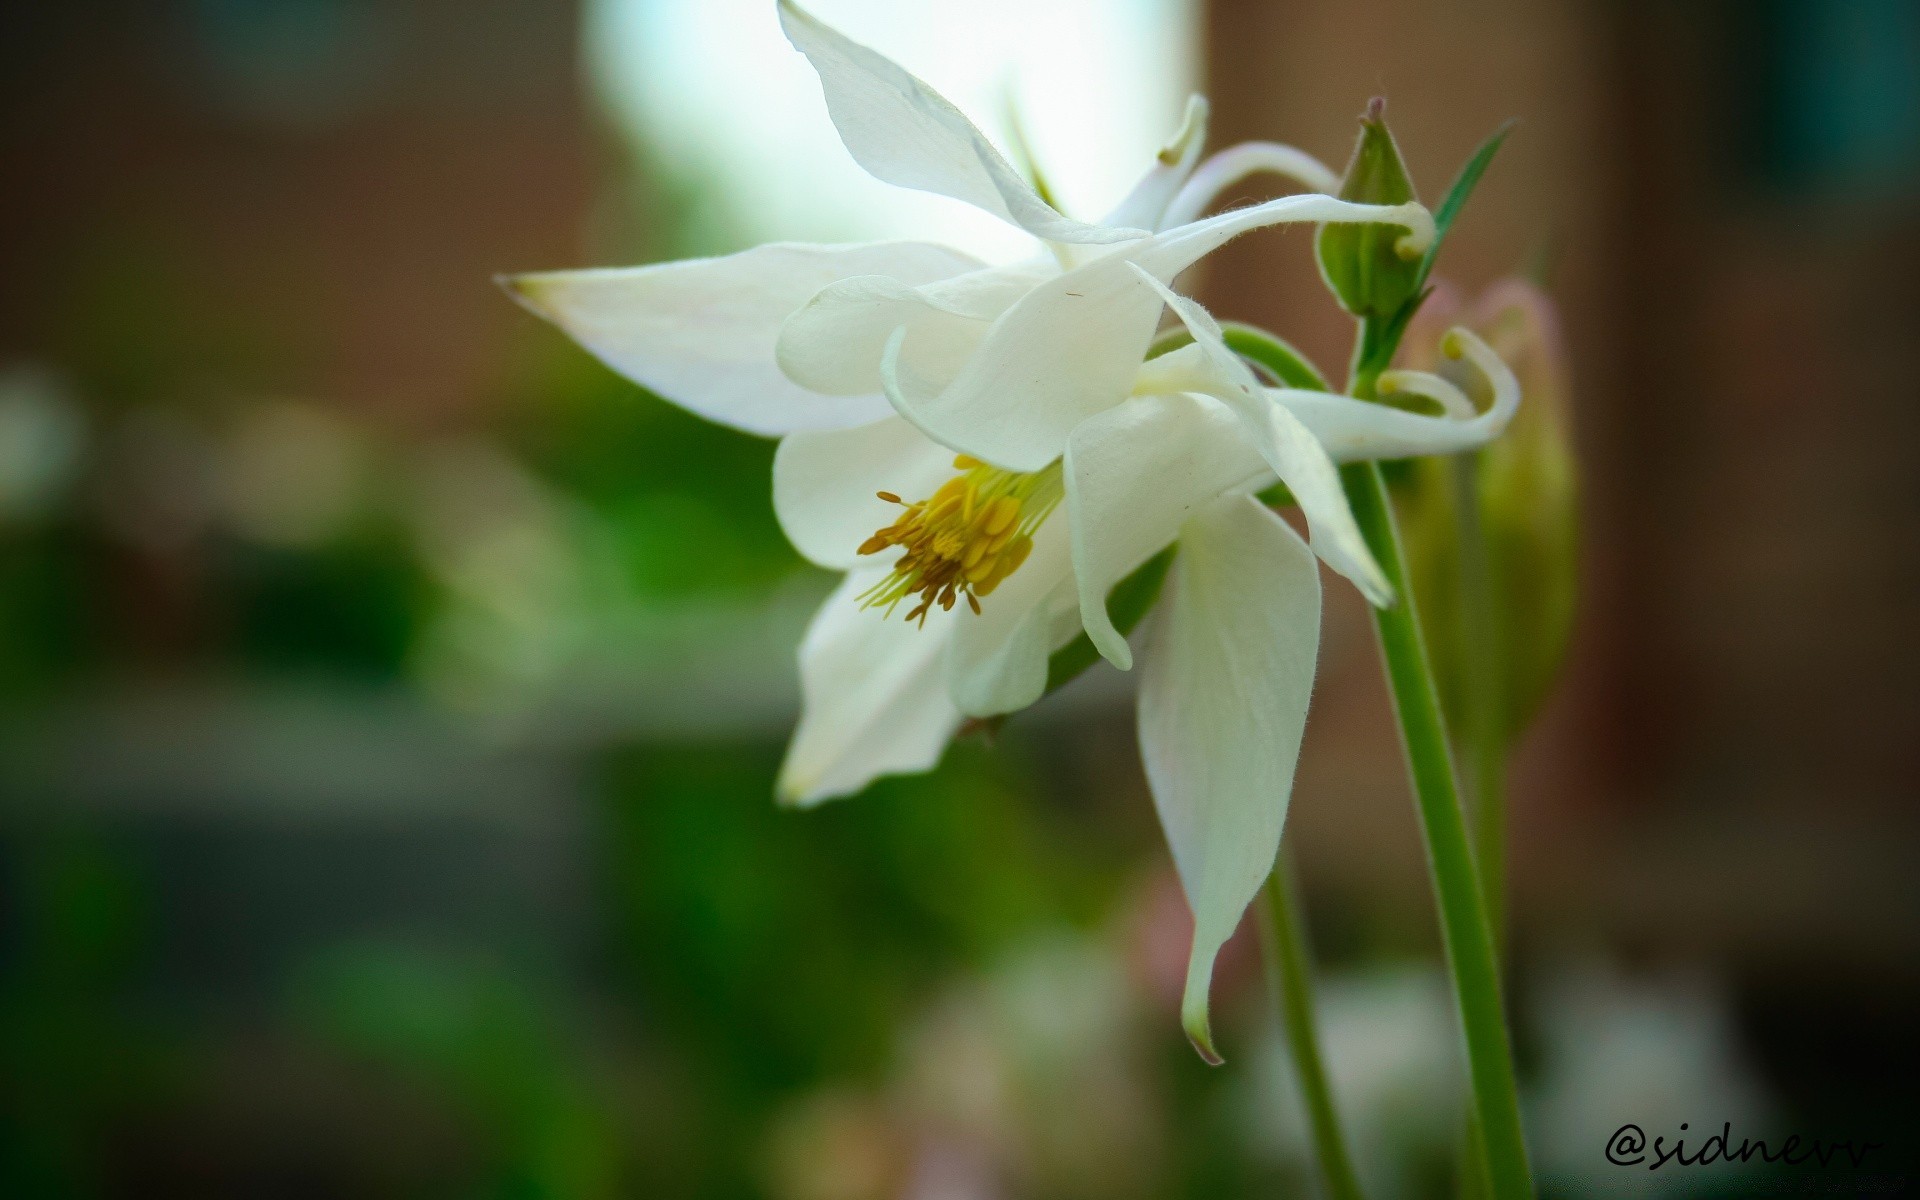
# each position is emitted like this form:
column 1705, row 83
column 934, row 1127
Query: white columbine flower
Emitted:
column 1228, row 661
column 878, row 362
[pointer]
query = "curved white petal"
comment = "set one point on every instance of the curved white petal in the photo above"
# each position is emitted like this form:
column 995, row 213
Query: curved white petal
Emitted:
column 825, row 485
column 873, row 701
column 832, row 344
column 1237, row 162
column 1286, row 445
column 1224, row 688
column 1354, row 429
column 1070, row 347
column 997, row 659
column 1134, row 475
column 701, row 332
column 1444, row 392
column 1146, row 205
column 905, row 133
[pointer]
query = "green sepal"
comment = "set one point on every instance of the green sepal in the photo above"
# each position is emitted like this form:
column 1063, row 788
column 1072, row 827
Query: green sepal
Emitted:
column 1362, row 262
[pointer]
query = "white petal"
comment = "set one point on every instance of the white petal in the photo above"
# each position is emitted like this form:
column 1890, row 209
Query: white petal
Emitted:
column 832, row 344
column 1070, row 347
column 1354, row 429
column 1235, row 163
column 872, row 698
column 1147, row 203
column 701, row 332
column 825, row 485
column 1287, row 446
column 997, row 661
column 1134, row 475
column 905, row 133
column 1223, row 702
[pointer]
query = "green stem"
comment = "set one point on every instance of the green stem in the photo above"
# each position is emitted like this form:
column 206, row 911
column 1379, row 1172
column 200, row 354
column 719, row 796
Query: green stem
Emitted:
column 1465, row 931
column 1484, row 737
column 1289, row 968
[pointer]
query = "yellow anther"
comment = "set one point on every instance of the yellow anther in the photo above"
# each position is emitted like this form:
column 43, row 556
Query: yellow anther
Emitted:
column 965, row 539
column 999, row 515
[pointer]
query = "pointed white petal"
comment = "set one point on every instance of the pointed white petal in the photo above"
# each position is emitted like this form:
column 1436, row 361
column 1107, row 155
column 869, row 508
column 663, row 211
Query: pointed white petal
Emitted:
column 701, row 332
column 905, row 133
column 1147, row 203
column 832, row 343
column 1134, row 475
column 997, row 661
column 1352, row 430
column 873, row 701
column 1070, row 347
column 1235, row 163
column 825, row 485
column 1286, row 445
column 1223, row 701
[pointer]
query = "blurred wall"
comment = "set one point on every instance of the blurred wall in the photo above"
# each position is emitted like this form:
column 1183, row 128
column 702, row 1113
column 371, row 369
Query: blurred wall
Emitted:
column 1724, row 196
column 211, row 196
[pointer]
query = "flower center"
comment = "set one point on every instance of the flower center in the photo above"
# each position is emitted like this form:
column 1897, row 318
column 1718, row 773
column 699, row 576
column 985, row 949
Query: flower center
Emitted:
column 964, row 539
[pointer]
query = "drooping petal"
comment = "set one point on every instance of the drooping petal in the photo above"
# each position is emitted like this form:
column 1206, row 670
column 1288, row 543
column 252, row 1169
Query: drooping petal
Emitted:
column 905, row 133
column 1352, row 430
column 1223, row 698
column 826, row 484
column 1069, row 348
column 1286, row 445
column 1147, row 203
column 832, row 343
column 1134, row 475
column 997, row 660
column 701, row 332
column 1235, row 163
column 872, row 698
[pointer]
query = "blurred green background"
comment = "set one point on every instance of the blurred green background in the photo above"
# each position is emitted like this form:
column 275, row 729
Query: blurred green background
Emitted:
column 390, row 696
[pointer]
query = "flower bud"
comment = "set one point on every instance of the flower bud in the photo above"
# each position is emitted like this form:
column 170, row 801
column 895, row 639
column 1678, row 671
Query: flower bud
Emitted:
column 1363, row 264
column 1524, row 495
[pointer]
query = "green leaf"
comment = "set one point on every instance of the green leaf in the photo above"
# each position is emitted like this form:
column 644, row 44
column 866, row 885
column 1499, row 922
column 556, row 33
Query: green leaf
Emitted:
column 1456, row 197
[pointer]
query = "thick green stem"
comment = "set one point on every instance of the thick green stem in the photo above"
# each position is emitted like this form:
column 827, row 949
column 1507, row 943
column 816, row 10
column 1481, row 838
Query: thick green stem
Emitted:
column 1289, row 968
column 1465, row 930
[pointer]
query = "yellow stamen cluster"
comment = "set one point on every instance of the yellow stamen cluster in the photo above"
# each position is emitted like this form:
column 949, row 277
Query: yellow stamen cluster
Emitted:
column 963, row 540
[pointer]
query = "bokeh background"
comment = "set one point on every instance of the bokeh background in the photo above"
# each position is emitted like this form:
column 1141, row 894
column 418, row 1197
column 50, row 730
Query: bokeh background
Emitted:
column 390, row 696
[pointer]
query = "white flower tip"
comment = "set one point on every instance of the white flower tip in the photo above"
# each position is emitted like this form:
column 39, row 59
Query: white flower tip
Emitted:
column 791, row 13
column 1193, row 1010
column 1452, row 401
column 1107, row 640
column 1193, row 128
column 794, row 791
column 1462, row 343
column 1374, row 586
column 1420, row 231
column 526, row 290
